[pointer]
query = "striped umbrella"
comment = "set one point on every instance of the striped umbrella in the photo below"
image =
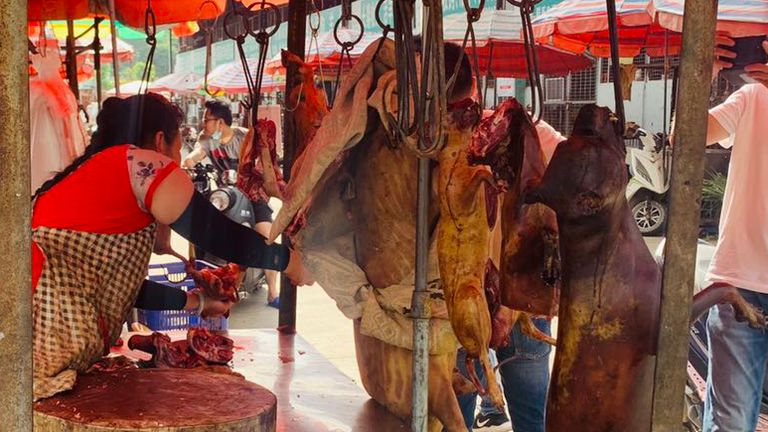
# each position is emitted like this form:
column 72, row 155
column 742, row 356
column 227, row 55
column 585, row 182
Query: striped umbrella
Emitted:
column 329, row 55
column 230, row 78
column 582, row 25
column 497, row 34
column 177, row 82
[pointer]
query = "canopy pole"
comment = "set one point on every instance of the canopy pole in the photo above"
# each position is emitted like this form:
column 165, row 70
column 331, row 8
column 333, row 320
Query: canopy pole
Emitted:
column 684, row 207
column 16, row 298
column 71, row 60
column 115, row 57
column 97, row 58
column 297, row 29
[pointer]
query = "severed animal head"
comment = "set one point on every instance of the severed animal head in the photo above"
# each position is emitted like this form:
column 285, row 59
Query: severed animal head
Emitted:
column 508, row 143
column 587, row 175
column 309, row 102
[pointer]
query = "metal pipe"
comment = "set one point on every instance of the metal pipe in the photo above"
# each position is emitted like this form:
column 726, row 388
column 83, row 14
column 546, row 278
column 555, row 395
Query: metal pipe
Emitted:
column 97, row 58
column 297, row 29
column 115, row 57
column 16, row 298
column 613, row 30
column 685, row 195
column 71, row 60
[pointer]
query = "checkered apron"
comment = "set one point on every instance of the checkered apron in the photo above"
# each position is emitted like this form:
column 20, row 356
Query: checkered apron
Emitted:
column 87, row 287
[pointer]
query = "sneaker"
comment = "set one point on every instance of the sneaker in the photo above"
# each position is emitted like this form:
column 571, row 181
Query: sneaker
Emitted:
column 491, row 422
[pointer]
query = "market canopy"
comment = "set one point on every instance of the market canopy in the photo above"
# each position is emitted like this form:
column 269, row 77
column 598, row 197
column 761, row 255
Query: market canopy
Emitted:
column 499, row 45
column 129, row 12
column 177, row 82
column 328, row 55
column 230, row 78
column 654, row 25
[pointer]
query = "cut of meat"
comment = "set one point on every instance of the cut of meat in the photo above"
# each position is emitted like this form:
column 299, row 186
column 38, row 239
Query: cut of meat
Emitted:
column 211, row 347
column 219, row 283
column 258, row 174
column 200, row 348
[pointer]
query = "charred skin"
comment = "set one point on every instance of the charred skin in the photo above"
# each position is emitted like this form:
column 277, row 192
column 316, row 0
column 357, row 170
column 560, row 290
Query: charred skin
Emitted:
column 609, row 306
column 463, row 238
column 308, row 100
column 385, row 255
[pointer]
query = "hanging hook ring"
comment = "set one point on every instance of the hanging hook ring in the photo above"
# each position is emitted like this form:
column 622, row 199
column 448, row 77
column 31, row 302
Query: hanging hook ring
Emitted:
column 353, row 42
column 524, row 4
column 385, row 27
column 262, row 33
column 473, row 13
column 208, row 28
column 150, row 23
column 235, row 37
column 315, row 13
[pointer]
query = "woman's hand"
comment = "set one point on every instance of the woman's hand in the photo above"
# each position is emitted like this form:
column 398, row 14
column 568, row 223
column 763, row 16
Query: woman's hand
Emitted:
column 759, row 71
column 296, row 272
column 212, row 308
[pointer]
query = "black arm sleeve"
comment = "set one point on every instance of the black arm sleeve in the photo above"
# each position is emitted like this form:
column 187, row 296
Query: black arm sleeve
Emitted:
column 156, row 296
column 209, row 229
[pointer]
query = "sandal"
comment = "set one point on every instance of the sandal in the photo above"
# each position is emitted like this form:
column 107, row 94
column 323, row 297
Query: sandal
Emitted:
column 275, row 303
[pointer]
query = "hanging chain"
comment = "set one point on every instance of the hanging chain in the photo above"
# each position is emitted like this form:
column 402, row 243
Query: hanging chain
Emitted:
column 208, row 30
column 473, row 16
column 346, row 46
column 531, row 58
column 150, row 29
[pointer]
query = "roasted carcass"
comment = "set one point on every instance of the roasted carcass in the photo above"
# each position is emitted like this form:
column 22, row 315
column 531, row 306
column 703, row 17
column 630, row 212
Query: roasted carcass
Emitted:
column 309, row 103
column 463, row 239
column 258, row 173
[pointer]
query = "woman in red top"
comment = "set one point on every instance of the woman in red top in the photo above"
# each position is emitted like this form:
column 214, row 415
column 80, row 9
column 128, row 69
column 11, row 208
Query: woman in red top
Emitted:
column 93, row 231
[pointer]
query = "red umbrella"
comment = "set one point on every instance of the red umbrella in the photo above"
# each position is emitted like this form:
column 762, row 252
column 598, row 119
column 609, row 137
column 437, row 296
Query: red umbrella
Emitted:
column 499, row 44
column 129, row 12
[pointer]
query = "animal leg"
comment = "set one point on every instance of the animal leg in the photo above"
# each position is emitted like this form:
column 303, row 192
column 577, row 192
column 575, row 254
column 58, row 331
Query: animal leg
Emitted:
column 490, row 377
column 527, row 327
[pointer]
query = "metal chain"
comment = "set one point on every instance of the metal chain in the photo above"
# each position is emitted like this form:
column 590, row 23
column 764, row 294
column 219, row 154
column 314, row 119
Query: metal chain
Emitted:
column 473, row 16
column 208, row 30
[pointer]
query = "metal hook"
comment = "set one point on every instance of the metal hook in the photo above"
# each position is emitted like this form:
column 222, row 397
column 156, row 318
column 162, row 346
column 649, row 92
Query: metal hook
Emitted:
column 262, row 34
column 208, row 44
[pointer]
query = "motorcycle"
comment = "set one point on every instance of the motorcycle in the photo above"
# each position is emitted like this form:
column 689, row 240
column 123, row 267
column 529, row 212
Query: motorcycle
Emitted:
column 228, row 199
column 698, row 349
column 649, row 160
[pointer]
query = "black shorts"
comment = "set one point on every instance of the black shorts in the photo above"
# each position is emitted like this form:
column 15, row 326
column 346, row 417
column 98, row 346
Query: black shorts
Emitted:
column 262, row 212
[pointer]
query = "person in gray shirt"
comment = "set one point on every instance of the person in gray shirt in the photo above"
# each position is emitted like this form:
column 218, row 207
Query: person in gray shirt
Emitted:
column 220, row 142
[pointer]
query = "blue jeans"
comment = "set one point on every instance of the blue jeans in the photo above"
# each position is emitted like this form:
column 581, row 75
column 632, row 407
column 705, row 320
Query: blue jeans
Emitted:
column 525, row 378
column 737, row 358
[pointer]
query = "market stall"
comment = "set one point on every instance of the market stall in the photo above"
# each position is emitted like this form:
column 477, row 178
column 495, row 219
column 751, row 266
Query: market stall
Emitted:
column 412, row 133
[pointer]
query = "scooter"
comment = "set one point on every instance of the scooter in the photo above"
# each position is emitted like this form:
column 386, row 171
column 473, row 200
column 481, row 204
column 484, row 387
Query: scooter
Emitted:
column 228, row 199
column 698, row 351
column 649, row 159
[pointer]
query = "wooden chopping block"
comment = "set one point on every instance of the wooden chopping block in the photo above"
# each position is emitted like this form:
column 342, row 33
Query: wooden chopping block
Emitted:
column 159, row 400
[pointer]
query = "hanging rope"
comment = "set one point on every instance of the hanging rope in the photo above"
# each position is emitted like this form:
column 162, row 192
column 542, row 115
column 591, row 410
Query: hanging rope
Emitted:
column 473, row 16
column 531, row 59
column 614, row 35
column 346, row 46
column 208, row 44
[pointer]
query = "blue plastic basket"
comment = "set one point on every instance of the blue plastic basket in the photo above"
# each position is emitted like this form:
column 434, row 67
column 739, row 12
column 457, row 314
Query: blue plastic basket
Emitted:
column 173, row 274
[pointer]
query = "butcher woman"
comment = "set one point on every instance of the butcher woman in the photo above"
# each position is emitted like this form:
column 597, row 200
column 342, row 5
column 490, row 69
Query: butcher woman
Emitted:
column 93, row 230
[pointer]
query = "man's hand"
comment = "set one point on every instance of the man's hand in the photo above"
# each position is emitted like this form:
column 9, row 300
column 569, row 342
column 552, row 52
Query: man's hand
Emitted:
column 722, row 39
column 188, row 163
column 759, row 71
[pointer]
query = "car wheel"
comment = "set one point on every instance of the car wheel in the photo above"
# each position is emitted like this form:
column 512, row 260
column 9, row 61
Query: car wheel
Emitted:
column 649, row 214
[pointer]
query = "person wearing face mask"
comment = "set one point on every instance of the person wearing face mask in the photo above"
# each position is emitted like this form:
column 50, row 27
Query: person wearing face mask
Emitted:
column 221, row 143
column 91, row 246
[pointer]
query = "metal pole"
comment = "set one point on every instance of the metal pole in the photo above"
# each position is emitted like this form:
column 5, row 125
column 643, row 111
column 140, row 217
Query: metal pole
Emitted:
column 16, row 300
column 685, row 194
column 297, row 29
column 97, row 58
column 614, row 32
column 71, row 59
column 115, row 57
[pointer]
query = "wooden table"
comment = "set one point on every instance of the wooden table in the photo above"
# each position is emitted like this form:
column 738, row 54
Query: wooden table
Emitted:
column 312, row 394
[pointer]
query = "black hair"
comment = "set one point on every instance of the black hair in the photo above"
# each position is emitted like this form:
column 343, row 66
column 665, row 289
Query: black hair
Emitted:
column 220, row 110
column 452, row 54
column 117, row 125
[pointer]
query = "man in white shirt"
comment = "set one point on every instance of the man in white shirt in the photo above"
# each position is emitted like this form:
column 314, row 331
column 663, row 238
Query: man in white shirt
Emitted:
column 738, row 353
